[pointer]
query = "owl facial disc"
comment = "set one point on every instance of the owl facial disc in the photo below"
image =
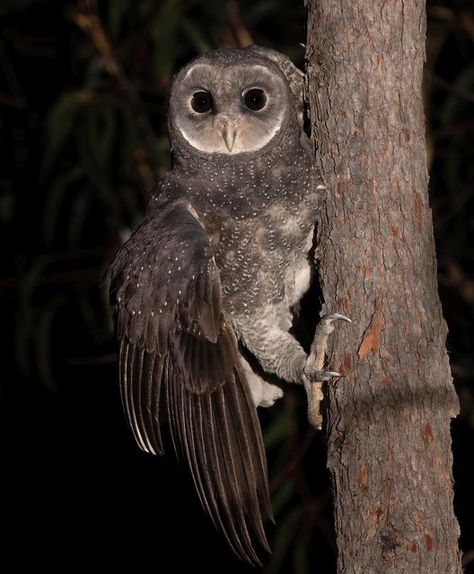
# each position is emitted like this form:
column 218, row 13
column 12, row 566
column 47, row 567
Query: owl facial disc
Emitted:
column 229, row 109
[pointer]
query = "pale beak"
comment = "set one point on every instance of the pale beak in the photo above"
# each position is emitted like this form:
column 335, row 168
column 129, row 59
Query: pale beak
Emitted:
column 229, row 133
column 226, row 126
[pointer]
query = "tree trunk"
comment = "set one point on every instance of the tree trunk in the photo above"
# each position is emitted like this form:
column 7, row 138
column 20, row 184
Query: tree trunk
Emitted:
column 388, row 419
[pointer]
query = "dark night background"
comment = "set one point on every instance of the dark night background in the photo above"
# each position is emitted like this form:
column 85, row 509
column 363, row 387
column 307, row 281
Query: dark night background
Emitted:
column 83, row 88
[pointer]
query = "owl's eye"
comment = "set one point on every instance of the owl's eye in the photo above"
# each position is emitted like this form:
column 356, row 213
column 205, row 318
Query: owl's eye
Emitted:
column 201, row 102
column 255, row 99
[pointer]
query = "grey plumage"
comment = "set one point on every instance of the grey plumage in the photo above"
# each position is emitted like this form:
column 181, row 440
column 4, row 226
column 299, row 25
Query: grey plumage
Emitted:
column 294, row 76
column 219, row 259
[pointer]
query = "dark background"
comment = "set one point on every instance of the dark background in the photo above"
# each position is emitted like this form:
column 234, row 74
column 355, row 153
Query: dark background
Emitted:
column 83, row 89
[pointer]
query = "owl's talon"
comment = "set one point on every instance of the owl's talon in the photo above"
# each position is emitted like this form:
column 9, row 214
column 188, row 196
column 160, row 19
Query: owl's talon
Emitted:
column 315, row 375
column 331, row 317
column 323, row 329
column 325, row 326
column 327, row 375
column 313, row 372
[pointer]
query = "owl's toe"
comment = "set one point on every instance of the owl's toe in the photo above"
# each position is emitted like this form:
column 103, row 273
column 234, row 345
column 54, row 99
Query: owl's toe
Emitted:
column 316, row 375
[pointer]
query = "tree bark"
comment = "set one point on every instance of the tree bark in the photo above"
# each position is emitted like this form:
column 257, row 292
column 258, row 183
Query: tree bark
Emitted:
column 388, row 420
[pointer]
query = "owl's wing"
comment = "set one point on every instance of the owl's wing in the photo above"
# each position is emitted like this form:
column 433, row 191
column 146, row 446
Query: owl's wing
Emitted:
column 179, row 359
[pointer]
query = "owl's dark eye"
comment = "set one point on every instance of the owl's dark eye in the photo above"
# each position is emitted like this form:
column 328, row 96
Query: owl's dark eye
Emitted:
column 201, row 102
column 255, row 99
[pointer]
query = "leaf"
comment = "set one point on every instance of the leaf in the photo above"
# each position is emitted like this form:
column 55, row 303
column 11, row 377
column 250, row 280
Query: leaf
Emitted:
column 7, row 206
column 286, row 532
column 282, row 496
column 456, row 105
column 133, row 207
column 301, row 549
column 97, row 178
column 215, row 11
column 55, row 199
column 59, row 124
column 118, row 9
column 278, row 429
column 101, row 132
column 195, row 36
column 79, row 210
column 163, row 35
column 261, row 10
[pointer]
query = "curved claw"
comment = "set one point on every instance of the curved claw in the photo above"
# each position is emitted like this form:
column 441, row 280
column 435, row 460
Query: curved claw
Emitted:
column 323, row 329
column 324, row 375
column 317, row 376
column 313, row 371
column 331, row 317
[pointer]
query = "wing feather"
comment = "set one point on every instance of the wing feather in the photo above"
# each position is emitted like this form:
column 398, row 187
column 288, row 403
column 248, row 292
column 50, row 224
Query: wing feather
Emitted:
column 179, row 358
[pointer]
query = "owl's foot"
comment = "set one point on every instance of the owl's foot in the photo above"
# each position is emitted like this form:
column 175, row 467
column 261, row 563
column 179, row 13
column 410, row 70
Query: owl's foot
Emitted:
column 314, row 374
column 320, row 342
column 313, row 370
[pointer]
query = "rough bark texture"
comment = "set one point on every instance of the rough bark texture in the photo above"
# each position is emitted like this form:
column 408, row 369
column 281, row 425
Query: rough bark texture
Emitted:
column 388, row 420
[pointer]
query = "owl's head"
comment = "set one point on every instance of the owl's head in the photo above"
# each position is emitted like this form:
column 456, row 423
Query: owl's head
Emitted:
column 231, row 102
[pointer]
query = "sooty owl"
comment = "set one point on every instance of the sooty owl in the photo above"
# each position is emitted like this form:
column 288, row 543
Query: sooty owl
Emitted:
column 204, row 287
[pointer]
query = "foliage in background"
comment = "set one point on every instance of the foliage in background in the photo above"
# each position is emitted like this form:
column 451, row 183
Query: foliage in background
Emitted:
column 83, row 98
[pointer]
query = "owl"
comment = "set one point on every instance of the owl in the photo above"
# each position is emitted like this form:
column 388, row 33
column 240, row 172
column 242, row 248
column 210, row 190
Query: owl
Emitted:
column 202, row 292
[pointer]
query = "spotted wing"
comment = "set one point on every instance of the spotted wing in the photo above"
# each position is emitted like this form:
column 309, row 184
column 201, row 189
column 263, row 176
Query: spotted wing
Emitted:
column 179, row 360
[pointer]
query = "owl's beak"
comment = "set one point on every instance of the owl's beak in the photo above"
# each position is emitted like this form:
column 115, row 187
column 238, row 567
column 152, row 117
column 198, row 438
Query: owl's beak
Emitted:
column 228, row 131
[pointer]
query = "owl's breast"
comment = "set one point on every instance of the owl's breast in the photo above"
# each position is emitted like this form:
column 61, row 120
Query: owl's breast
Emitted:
column 259, row 227
column 263, row 259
